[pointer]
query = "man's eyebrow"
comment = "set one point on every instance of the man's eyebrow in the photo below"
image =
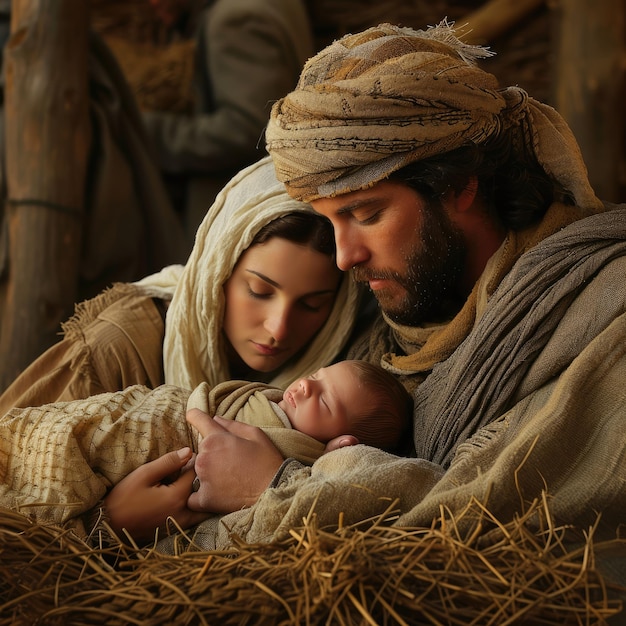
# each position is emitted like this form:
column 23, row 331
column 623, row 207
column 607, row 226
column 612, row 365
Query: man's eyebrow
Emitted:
column 357, row 204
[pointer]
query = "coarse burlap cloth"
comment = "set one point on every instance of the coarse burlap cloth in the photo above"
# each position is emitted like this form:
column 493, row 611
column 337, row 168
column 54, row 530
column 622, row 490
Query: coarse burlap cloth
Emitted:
column 372, row 102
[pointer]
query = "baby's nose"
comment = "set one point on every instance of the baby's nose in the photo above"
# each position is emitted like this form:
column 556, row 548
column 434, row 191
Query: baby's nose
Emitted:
column 305, row 387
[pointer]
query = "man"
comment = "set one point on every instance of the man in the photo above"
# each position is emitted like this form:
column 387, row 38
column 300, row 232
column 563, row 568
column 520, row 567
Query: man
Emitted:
column 467, row 210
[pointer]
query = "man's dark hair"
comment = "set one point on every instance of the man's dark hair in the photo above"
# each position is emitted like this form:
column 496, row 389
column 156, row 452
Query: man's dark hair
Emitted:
column 515, row 188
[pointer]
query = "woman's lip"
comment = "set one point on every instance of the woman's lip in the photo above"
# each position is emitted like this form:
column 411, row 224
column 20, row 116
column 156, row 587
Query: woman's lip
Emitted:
column 267, row 350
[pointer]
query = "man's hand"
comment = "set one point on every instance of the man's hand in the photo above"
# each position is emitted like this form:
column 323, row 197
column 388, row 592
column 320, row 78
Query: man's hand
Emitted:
column 234, row 465
column 142, row 501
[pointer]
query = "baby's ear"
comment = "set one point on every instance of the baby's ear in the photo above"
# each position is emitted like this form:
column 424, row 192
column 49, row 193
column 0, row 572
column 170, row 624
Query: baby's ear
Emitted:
column 341, row 442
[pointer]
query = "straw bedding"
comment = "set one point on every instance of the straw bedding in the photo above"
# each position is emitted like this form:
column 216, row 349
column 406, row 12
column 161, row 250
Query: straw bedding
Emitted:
column 471, row 569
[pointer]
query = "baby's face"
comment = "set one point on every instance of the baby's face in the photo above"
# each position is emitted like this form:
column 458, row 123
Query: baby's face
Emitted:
column 321, row 404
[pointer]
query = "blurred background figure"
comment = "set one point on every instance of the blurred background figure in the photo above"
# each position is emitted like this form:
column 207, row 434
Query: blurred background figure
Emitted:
column 246, row 54
column 205, row 72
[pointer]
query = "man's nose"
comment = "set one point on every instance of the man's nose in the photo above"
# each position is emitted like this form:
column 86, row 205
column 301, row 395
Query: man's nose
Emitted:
column 350, row 249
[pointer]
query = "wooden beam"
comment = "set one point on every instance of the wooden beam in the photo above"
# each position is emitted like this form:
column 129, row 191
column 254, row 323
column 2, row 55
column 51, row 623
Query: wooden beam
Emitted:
column 47, row 138
column 590, row 85
column 494, row 18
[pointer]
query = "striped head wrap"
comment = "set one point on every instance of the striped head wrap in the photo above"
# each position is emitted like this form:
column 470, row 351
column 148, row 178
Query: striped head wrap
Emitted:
column 373, row 102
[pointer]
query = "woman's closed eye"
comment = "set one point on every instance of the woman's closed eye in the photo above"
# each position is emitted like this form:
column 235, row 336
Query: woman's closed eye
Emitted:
column 259, row 288
column 264, row 295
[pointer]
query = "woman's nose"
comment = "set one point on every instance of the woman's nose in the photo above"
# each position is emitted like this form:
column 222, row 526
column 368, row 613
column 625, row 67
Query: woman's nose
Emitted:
column 277, row 324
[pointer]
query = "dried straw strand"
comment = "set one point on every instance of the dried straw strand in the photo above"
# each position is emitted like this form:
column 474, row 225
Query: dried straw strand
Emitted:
column 464, row 569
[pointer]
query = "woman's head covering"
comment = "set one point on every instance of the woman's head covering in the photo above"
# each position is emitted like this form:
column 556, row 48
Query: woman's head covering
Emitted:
column 194, row 346
column 373, row 102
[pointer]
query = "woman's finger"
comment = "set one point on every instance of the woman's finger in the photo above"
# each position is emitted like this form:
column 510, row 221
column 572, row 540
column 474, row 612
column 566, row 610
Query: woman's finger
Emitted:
column 160, row 469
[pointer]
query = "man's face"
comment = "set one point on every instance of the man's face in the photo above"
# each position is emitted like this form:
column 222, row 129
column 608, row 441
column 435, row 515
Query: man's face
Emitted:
column 411, row 254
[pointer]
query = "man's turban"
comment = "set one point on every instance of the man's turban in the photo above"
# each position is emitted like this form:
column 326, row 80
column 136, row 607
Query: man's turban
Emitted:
column 373, row 102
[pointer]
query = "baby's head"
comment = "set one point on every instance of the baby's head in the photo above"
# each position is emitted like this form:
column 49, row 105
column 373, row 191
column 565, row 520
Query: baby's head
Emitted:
column 350, row 398
column 385, row 408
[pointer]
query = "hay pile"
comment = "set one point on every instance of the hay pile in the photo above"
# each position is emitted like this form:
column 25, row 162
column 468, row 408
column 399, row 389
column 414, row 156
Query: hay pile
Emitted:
column 487, row 573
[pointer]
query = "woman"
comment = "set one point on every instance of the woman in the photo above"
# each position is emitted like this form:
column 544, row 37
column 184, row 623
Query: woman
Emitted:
column 264, row 303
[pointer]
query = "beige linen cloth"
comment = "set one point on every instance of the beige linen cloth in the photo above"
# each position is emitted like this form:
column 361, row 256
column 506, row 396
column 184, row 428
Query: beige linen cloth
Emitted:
column 58, row 461
column 194, row 350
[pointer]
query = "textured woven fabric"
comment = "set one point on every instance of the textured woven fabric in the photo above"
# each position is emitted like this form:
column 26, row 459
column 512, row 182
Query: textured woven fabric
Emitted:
column 59, row 460
column 373, row 102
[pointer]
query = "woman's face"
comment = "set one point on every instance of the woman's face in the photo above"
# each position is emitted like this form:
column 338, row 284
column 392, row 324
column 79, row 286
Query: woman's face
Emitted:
column 277, row 298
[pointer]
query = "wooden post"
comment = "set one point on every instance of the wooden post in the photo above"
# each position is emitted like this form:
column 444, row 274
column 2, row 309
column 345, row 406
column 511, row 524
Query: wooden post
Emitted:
column 47, row 139
column 590, row 86
column 494, row 18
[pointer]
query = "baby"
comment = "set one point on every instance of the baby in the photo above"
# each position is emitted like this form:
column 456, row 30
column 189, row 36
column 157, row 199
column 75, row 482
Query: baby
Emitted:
column 347, row 398
column 59, row 460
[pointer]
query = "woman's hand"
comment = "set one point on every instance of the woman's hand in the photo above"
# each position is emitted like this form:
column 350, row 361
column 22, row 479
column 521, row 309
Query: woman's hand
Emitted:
column 234, row 465
column 142, row 501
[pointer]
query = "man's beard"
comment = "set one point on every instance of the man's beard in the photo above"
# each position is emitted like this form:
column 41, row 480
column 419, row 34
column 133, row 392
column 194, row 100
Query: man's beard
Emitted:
column 432, row 282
